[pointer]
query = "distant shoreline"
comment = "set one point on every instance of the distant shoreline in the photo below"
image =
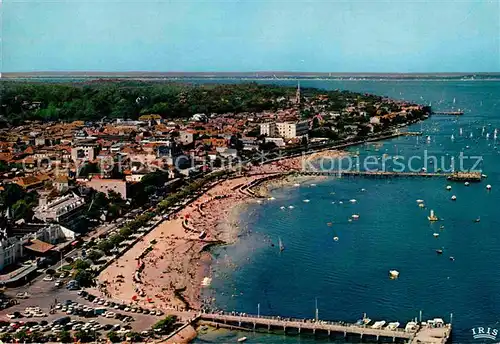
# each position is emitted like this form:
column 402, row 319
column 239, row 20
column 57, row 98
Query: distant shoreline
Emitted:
column 252, row 75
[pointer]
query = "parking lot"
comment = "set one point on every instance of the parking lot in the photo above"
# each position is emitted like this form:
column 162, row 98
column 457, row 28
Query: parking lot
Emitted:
column 85, row 312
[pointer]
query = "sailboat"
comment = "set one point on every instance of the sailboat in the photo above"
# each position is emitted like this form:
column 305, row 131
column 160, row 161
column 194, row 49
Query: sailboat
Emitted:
column 432, row 217
column 471, row 135
column 428, row 139
column 487, row 136
column 452, row 137
column 461, row 131
column 495, row 134
column 482, row 131
column 282, row 247
column 454, row 100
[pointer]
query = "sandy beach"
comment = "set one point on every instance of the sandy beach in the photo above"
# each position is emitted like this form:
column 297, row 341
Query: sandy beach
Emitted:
column 174, row 259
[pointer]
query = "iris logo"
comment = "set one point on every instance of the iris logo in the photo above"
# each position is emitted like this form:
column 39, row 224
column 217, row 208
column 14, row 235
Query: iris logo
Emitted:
column 484, row 333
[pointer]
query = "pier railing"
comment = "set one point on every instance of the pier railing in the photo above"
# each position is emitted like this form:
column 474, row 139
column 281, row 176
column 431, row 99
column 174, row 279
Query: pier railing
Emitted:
column 304, row 324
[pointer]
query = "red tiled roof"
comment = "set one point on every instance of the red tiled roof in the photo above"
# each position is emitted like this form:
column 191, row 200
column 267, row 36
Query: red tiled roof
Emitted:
column 39, row 246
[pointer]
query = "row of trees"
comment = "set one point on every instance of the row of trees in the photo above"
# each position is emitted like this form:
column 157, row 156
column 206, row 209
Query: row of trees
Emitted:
column 66, row 337
column 129, row 99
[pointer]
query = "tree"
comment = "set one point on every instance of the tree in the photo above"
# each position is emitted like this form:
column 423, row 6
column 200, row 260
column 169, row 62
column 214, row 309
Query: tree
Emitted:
column 65, row 337
column 105, row 246
column 116, row 239
column 85, row 278
column 21, row 336
column 22, row 210
column 11, row 194
column 134, row 337
column 94, row 256
column 81, row 264
column 6, row 337
column 166, row 325
column 113, row 337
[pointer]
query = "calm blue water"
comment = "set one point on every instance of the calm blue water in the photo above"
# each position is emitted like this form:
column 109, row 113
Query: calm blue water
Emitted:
column 350, row 276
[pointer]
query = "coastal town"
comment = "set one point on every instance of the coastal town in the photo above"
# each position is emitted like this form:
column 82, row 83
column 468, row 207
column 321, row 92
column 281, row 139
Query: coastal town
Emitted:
column 114, row 215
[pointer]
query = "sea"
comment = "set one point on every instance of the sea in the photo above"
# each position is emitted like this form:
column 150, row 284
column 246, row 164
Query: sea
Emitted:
column 349, row 276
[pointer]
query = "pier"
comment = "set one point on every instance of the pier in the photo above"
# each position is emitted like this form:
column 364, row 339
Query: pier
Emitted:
column 439, row 331
column 454, row 176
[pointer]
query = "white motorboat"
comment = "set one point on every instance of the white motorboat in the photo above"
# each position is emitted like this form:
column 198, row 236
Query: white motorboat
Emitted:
column 394, row 273
column 393, row 325
column 453, row 198
column 378, row 324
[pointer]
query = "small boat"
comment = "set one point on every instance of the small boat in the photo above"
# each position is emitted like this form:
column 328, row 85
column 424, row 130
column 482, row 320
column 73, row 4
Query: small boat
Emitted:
column 306, row 201
column 335, row 238
column 352, row 201
column 477, row 220
column 282, row 247
column 420, row 201
column 282, row 207
column 432, row 217
column 484, row 176
column 461, row 131
column 452, row 137
column 355, row 216
column 488, row 187
column 296, row 184
column 453, row 198
column 466, row 183
column 448, row 187
column 392, row 326
column 313, row 184
column 363, row 190
column 271, row 199
column 441, row 227
column 428, row 139
column 242, row 339
column 421, row 205
column 452, row 258
column 393, row 274
column 290, row 207
column 439, row 251
column 378, row 324
column 202, row 235
column 435, row 235
column 340, row 202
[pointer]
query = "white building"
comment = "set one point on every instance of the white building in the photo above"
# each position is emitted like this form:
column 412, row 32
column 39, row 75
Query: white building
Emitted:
column 290, row 130
column 268, row 129
column 12, row 249
column 58, row 209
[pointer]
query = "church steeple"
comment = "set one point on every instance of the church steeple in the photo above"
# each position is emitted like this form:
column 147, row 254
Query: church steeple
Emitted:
column 297, row 94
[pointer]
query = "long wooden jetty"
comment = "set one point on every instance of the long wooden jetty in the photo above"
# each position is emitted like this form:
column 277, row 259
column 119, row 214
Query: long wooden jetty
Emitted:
column 454, row 176
column 298, row 326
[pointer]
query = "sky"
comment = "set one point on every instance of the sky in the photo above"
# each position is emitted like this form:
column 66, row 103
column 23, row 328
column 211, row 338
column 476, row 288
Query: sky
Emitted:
column 249, row 35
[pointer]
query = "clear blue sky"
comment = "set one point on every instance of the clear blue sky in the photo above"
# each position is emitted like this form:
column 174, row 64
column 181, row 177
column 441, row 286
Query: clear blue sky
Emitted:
column 244, row 35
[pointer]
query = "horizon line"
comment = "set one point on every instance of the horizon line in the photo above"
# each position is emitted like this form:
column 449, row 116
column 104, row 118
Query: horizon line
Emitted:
column 238, row 73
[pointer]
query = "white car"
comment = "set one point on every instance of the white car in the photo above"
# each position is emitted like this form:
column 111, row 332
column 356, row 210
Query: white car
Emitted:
column 110, row 315
column 48, row 278
column 39, row 315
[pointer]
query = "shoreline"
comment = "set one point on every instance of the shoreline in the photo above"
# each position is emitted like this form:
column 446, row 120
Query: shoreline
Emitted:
column 169, row 265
